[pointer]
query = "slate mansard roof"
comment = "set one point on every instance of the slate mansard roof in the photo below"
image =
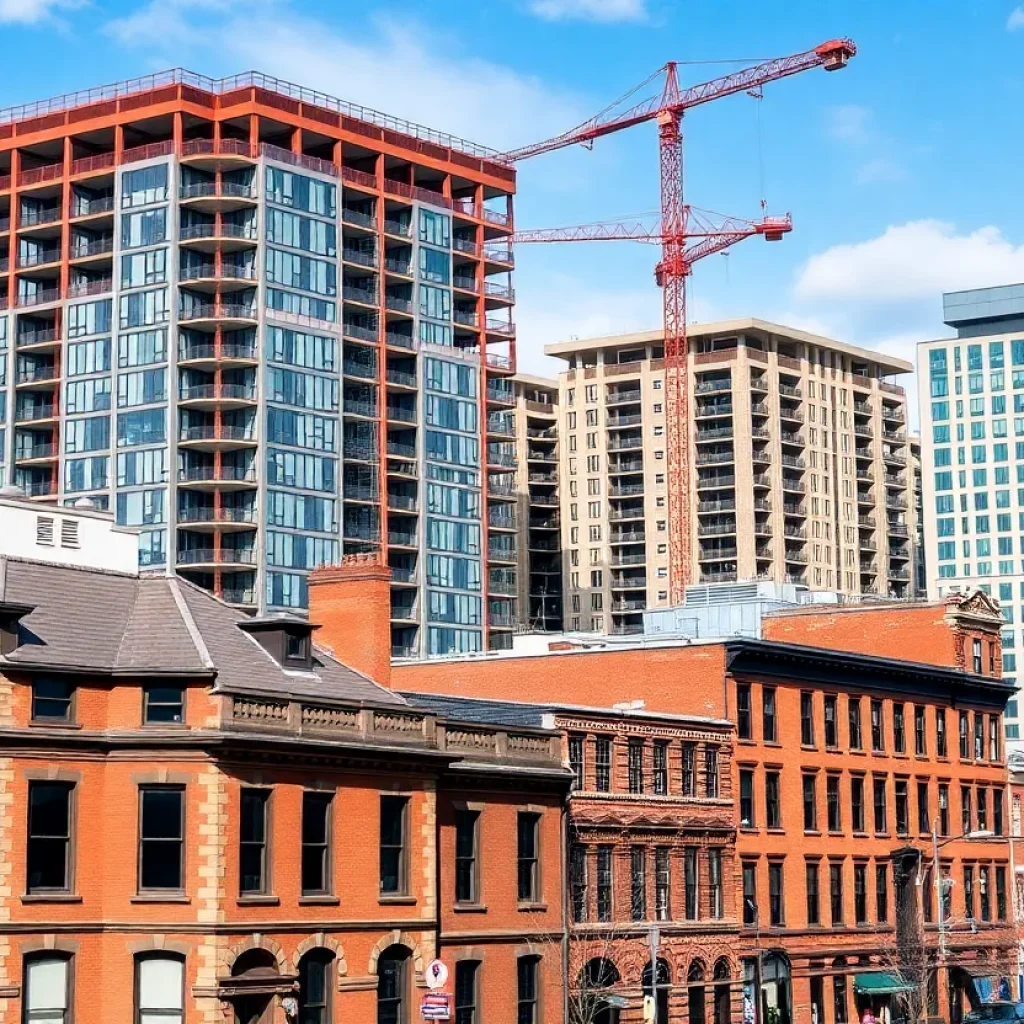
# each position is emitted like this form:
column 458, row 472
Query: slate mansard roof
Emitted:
column 108, row 623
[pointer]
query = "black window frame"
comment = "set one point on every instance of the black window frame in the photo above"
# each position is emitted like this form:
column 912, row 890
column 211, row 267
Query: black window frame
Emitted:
column 965, row 736
column 899, row 728
column 467, row 860
column 769, row 715
column 772, row 800
column 579, row 879
column 858, row 816
column 528, row 879
column 711, row 782
column 830, row 725
column 837, row 911
column 659, row 767
column 322, row 960
column 577, row 759
column 979, row 736
column 603, row 764
column 998, row 822
column 1000, row 880
column 149, row 842
column 689, row 769
column 941, row 737
column 638, row 883
column 749, row 891
column 317, row 850
column 40, row 841
column 527, row 995
column 880, row 805
column 966, row 810
column 65, row 700
column 809, row 798
column 776, row 894
column 467, row 991
column 860, row 892
column 662, row 883
column 901, row 806
column 813, row 892
column 943, row 804
column 396, row 854
column 882, row 893
column 393, row 976
column 806, row 718
column 877, row 711
column 833, row 808
column 635, row 765
column 855, row 723
column 691, row 883
column 744, row 718
column 254, row 848
column 920, row 731
column 970, row 904
column 605, row 882
column 716, row 904
column 148, row 704
column 747, row 806
column 924, row 821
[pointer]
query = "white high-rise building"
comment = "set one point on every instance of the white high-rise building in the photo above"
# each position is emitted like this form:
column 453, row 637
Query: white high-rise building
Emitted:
column 972, row 457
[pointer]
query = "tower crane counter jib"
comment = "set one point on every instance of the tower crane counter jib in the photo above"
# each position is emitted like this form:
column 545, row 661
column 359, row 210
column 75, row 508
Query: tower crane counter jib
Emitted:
column 685, row 234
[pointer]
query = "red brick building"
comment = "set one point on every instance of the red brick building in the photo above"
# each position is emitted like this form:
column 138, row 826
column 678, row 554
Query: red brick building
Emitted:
column 850, row 768
column 207, row 818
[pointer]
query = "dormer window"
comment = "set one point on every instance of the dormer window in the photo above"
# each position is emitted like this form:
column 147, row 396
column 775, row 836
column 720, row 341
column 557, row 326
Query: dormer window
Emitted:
column 286, row 638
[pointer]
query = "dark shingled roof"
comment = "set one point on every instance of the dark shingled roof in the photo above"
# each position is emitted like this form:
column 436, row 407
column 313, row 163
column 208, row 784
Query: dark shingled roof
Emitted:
column 486, row 712
column 107, row 622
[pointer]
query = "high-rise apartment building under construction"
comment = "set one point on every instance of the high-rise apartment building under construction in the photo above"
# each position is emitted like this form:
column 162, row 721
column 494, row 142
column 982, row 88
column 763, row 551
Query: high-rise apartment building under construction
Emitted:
column 800, row 468
column 267, row 328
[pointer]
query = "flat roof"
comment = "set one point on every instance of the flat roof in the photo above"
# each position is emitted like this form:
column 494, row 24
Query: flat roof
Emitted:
column 548, row 383
column 889, row 364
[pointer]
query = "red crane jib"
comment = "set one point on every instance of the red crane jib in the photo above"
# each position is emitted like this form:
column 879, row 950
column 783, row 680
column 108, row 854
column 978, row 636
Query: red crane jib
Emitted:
column 686, row 235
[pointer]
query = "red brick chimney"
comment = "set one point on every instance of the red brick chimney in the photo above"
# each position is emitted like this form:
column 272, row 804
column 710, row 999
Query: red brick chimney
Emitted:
column 352, row 603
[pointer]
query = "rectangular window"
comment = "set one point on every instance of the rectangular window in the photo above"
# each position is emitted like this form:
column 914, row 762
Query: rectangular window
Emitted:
column 811, row 879
column 660, row 753
column 856, row 743
column 877, row 734
column 807, row 719
column 943, row 809
column 711, row 772
column 636, row 765
column 1000, row 893
column 860, row 893
column 163, row 705
column 528, row 842
column 881, row 825
column 662, row 884
column 49, row 837
column 691, row 881
column 835, row 885
column 467, row 824
column 578, row 882
column 940, row 732
column 749, row 892
column 743, row 723
column 161, row 838
column 997, row 811
column 604, row 883
column 857, row 804
column 810, row 796
column 835, row 819
column 966, row 813
column 747, row 819
column 159, row 989
column 969, row 901
column 576, row 762
column 965, row 736
column 689, row 769
column 603, row 764
column 253, row 864
column 526, row 975
column 394, row 813
column 47, row 990
column 716, row 900
column 902, row 808
column 772, row 800
column 985, row 892
column 924, row 824
column 881, row 893
column 316, row 843
column 899, row 734
column 53, row 701
column 920, row 733
column 776, row 895
column 831, row 720
column 638, row 883
column 979, row 737
column 768, row 723
column 465, row 994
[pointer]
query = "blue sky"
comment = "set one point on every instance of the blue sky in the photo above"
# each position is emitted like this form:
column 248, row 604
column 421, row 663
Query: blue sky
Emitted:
column 901, row 172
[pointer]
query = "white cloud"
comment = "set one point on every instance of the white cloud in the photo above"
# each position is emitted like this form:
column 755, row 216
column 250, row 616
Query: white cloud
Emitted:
column 603, row 11
column 1016, row 19
column 850, row 123
column 911, row 261
column 880, row 170
column 31, row 12
column 432, row 83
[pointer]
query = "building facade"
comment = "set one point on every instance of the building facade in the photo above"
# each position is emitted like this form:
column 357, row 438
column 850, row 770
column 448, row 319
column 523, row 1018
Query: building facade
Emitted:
column 268, row 328
column 539, row 570
column 972, row 430
column 869, row 786
column 208, row 818
column 801, row 470
column 652, row 865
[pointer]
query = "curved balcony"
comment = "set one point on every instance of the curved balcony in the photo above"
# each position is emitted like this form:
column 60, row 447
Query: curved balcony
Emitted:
column 217, row 153
column 209, row 277
column 209, row 355
column 210, row 478
column 217, row 396
column 226, row 520
column 213, row 438
column 210, row 315
column 226, row 559
column 211, row 196
column 37, row 454
column 210, row 237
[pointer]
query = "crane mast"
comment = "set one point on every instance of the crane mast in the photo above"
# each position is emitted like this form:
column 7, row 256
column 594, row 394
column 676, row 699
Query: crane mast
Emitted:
column 677, row 260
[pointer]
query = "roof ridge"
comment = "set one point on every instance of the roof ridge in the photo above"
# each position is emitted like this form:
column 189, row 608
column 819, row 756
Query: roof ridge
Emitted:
column 51, row 564
column 190, row 623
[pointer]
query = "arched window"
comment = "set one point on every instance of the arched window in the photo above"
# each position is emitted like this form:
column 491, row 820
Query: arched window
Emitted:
column 660, row 989
column 159, row 988
column 393, row 986
column 695, row 991
column 316, row 969
column 590, row 1005
column 258, row 966
column 47, row 989
column 723, row 991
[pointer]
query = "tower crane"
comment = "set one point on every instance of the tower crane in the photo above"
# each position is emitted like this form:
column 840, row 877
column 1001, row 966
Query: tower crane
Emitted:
column 685, row 235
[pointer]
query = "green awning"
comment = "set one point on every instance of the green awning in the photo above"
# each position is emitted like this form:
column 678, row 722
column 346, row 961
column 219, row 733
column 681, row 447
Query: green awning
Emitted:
column 880, row 983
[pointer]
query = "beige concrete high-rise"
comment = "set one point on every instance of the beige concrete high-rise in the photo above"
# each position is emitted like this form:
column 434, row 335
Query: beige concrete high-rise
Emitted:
column 800, row 468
